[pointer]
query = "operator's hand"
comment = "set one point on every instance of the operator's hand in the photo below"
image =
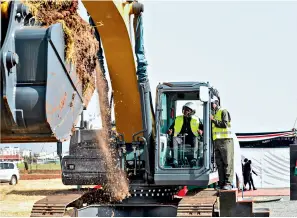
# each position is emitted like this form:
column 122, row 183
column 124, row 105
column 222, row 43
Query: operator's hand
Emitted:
column 211, row 117
column 200, row 132
column 169, row 131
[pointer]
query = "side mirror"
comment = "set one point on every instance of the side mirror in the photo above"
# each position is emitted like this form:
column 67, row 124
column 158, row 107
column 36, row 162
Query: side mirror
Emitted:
column 204, row 94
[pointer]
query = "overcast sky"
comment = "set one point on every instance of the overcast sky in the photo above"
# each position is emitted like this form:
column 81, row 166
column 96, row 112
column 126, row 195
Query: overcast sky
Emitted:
column 247, row 50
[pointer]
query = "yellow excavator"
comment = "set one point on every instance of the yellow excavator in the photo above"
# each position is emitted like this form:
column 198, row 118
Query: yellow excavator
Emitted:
column 42, row 101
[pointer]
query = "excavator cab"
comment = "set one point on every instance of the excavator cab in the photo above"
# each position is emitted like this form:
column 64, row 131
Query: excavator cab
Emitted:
column 183, row 159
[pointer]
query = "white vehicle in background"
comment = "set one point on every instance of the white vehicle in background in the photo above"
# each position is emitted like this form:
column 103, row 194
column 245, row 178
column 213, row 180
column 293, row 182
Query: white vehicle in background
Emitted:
column 9, row 172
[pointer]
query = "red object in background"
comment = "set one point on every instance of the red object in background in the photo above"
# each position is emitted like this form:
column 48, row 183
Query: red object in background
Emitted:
column 11, row 157
column 98, row 187
column 182, row 192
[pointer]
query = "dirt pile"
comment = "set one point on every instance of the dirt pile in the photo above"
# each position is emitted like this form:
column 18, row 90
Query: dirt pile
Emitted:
column 117, row 183
column 81, row 45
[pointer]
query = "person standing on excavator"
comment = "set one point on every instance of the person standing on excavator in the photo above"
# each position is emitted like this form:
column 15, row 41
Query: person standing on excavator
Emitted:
column 223, row 144
column 186, row 126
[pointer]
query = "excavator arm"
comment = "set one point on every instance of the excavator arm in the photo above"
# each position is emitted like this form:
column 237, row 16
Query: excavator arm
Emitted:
column 112, row 19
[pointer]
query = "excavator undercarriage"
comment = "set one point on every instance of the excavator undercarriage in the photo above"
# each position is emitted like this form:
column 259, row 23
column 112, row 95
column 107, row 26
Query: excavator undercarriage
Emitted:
column 197, row 203
column 145, row 199
column 92, row 203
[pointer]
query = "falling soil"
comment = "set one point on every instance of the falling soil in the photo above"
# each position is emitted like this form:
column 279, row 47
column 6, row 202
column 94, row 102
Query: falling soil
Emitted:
column 117, row 183
column 81, row 46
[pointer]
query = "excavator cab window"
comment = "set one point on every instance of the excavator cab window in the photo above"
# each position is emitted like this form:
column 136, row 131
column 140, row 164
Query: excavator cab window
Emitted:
column 183, row 149
column 184, row 152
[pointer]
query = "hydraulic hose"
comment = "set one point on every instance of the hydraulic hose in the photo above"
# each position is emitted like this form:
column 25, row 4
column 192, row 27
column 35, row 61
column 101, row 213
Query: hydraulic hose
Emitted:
column 139, row 45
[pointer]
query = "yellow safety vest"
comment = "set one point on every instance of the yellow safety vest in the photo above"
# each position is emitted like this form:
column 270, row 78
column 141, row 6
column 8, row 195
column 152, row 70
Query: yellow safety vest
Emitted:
column 179, row 120
column 221, row 133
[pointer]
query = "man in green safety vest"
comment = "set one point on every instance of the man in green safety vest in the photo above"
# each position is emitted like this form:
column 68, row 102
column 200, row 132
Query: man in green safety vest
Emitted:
column 188, row 127
column 223, row 144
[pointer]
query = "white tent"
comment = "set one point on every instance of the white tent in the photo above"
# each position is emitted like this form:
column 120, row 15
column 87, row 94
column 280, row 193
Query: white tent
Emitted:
column 270, row 156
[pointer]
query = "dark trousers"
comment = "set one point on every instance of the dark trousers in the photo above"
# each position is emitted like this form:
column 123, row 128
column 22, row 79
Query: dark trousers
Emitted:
column 248, row 179
column 224, row 156
column 251, row 183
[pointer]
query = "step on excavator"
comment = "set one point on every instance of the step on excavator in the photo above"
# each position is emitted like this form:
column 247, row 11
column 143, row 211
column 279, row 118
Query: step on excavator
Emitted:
column 42, row 101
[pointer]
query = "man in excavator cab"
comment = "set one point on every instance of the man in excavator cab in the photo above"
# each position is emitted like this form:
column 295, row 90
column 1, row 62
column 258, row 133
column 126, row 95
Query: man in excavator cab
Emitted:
column 186, row 132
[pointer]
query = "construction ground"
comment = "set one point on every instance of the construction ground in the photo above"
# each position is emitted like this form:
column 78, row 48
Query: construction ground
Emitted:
column 18, row 200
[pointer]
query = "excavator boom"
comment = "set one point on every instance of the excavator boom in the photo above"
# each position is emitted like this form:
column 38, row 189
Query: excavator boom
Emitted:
column 112, row 21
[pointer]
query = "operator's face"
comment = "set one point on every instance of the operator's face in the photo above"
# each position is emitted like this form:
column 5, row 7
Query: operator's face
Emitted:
column 213, row 106
column 187, row 112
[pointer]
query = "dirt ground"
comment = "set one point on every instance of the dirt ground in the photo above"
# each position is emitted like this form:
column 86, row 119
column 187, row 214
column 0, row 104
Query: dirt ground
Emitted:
column 40, row 176
column 18, row 200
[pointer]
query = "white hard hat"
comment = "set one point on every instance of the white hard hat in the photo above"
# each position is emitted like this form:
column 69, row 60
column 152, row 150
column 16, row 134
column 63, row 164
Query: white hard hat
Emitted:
column 214, row 99
column 191, row 106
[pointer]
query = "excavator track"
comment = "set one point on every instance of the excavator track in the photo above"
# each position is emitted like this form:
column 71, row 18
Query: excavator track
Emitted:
column 199, row 203
column 56, row 205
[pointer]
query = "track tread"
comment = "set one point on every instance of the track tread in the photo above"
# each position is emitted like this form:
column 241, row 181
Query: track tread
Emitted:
column 54, row 205
column 199, row 203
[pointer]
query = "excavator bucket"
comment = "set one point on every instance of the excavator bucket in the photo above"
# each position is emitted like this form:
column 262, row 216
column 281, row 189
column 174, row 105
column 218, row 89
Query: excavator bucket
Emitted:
column 41, row 94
